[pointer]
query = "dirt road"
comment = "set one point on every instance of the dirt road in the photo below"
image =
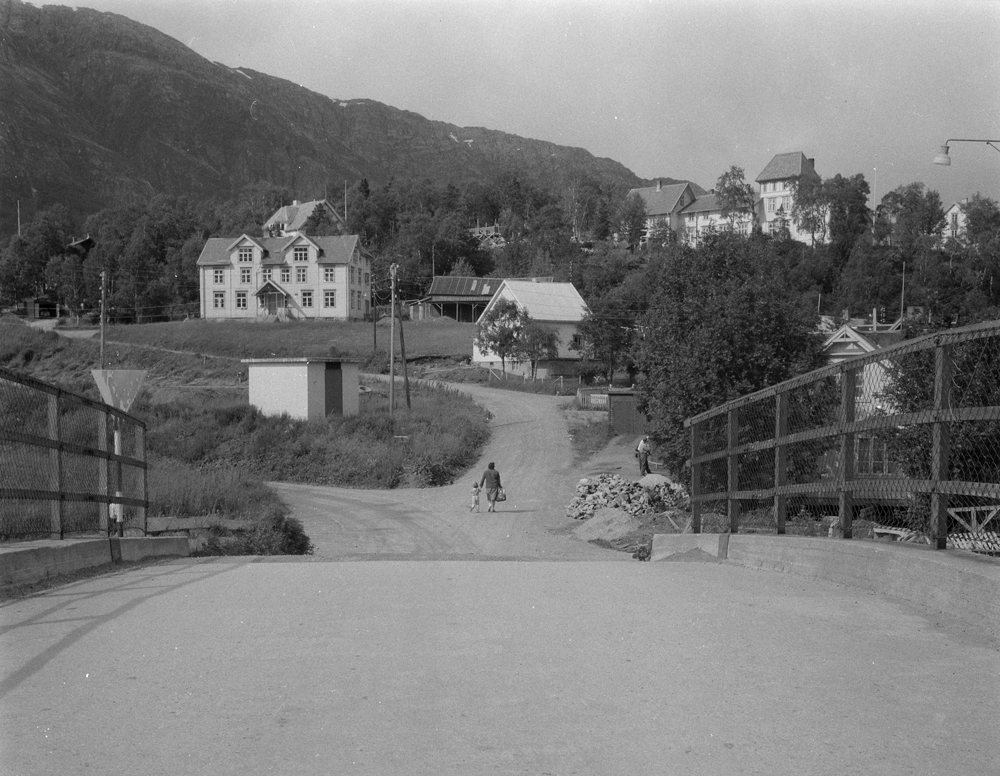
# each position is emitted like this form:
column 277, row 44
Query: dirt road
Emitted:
column 531, row 448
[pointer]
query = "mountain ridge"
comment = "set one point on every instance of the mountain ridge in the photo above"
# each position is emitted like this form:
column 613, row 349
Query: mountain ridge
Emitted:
column 97, row 109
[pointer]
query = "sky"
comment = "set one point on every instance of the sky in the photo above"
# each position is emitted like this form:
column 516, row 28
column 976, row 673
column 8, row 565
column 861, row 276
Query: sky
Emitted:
column 680, row 89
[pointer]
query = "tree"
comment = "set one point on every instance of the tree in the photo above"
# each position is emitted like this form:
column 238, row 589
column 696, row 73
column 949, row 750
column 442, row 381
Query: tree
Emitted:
column 810, row 206
column 536, row 342
column 721, row 324
column 735, row 197
column 499, row 329
column 850, row 216
column 632, row 220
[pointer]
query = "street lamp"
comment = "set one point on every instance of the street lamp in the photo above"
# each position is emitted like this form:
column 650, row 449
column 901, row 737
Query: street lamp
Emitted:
column 944, row 159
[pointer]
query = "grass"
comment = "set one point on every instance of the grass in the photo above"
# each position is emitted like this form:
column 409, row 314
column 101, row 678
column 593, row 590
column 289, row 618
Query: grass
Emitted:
column 329, row 339
column 209, row 450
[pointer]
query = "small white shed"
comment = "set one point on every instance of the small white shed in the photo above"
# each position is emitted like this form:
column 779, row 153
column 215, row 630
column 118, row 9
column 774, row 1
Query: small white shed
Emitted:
column 304, row 388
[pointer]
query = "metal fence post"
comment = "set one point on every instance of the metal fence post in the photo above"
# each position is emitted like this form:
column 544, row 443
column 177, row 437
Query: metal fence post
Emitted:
column 695, row 478
column 733, row 465
column 846, row 496
column 103, row 471
column 780, row 460
column 140, row 445
column 55, row 470
column 940, row 446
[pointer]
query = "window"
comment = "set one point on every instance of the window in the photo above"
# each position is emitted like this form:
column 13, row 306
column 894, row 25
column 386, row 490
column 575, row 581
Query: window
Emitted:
column 286, row 275
column 368, row 279
column 219, row 300
column 329, row 275
column 300, row 274
column 770, row 204
column 786, row 202
column 245, row 273
column 871, row 456
column 245, row 254
column 307, row 298
column 301, row 253
column 220, row 276
column 330, row 298
column 265, row 274
column 241, row 300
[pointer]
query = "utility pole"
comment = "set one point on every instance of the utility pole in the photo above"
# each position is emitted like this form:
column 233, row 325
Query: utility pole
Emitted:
column 103, row 286
column 374, row 311
column 392, row 340
column 402, row 358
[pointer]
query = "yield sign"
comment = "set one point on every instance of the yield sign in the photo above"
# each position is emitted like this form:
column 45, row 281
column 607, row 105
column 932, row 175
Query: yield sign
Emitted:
column 119, row 387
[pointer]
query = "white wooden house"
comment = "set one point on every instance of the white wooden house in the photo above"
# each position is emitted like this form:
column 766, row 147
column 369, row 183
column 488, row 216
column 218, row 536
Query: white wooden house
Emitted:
column 559, row 306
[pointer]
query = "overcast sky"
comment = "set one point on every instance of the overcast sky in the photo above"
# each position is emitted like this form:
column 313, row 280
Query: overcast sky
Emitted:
column 668, row 88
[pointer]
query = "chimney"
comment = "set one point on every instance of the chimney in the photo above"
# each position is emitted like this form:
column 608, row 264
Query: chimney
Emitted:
column 295, row 202
column 659, row 184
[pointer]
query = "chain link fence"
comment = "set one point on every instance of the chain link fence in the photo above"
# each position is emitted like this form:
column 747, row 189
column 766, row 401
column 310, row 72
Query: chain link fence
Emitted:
column 903, row 442
column 68, row 465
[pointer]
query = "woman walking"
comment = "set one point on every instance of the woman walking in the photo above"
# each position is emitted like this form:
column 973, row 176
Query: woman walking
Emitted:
column 491, row 480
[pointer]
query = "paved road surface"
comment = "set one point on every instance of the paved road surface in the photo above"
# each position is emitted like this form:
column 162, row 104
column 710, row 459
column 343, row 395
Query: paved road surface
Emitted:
column 454, row 667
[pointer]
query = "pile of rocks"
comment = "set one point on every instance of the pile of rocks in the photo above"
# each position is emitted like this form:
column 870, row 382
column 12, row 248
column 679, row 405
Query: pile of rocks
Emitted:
column 652, row 493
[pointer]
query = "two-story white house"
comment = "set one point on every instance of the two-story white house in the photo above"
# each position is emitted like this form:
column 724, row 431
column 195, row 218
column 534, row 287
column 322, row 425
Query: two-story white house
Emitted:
column 287, row 274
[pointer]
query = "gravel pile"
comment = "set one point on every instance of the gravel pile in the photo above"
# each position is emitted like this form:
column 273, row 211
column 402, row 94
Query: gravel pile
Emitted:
column 652, row 493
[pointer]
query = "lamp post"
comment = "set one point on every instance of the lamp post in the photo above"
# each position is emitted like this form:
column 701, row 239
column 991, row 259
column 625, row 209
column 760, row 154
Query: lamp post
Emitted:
column 943, row 158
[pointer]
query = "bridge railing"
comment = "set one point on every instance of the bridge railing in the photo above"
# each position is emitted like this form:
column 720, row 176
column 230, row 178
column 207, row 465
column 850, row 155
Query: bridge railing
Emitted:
column 906, row 437
column 68, row 465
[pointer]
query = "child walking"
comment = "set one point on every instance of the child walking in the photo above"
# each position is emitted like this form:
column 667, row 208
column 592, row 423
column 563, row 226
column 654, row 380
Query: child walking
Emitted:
column 475, row 497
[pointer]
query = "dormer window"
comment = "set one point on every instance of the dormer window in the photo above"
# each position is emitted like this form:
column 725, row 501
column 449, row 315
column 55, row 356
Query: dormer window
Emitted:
column 245, row 254
column 301, row 253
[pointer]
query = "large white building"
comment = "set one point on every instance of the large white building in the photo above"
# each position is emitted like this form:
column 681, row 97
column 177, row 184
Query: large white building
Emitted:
column 676, row 209
column 287, row 274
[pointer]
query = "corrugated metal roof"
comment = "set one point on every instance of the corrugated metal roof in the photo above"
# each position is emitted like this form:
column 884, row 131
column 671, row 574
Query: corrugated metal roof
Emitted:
column 448, row 285
column 547, row 301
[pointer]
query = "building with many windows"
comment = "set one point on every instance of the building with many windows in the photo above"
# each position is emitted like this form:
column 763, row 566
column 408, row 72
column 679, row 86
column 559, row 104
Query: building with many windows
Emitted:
column 287, row 274
column 774, row 209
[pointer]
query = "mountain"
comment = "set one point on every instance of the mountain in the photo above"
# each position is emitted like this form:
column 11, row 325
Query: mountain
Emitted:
column 96, row 109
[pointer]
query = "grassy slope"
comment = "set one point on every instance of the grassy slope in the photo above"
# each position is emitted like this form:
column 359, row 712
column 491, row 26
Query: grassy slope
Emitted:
column 214, row 447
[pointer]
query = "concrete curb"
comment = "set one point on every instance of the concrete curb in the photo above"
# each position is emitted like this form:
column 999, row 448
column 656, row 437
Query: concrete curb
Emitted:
column 28, row 562
column 962, row 584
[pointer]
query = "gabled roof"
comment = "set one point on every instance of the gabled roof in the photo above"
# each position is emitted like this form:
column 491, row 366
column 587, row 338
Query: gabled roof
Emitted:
column 294, row 216
column 705, row 204
column 848, row 341
column 549, row 302
column 245, row 238
column 784, row 166
column 664, row 201
column 336, row 249
column 270, row 287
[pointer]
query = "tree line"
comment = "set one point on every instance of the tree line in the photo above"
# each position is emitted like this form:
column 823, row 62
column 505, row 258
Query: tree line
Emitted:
column 148, row 250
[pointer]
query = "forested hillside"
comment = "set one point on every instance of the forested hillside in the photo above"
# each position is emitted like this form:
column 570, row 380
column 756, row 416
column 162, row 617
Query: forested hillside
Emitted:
column 97, row 110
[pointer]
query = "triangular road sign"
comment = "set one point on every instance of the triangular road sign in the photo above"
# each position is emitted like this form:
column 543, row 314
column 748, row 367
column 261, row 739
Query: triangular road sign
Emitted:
column 119, row 387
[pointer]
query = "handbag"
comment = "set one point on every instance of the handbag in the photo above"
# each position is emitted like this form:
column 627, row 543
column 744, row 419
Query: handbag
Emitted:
column 501, row 496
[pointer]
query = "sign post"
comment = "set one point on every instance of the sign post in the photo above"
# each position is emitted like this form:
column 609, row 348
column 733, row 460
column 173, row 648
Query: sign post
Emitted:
column 118, row 388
